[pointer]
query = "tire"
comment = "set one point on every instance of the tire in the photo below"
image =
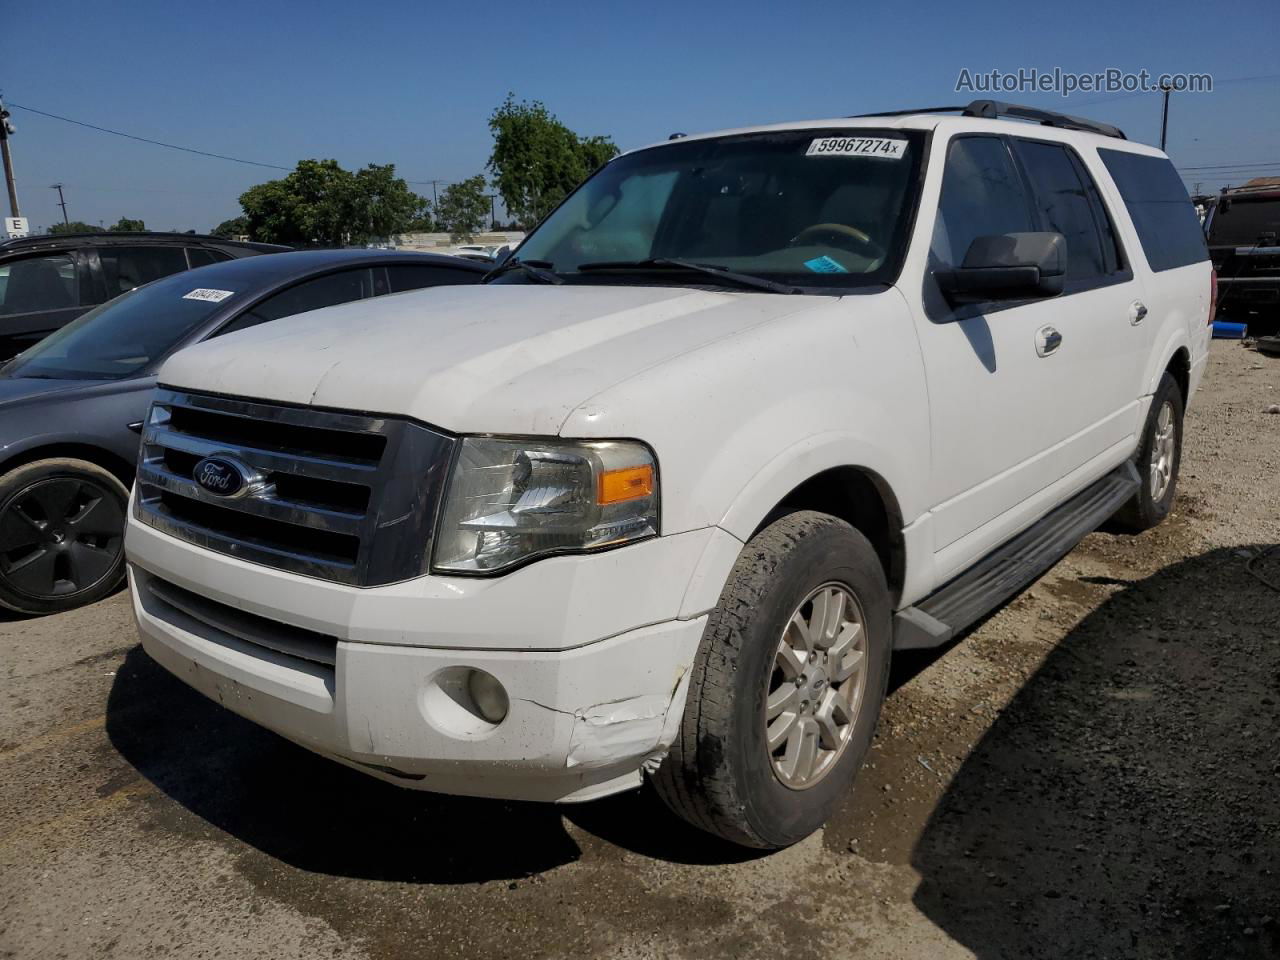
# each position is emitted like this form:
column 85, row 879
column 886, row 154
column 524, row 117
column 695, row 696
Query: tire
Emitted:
column 1154, row 499
column 61, row 535
column 720, row 774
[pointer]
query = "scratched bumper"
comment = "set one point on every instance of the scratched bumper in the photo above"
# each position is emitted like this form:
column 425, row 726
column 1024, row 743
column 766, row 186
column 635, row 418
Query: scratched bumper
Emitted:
column 582, row 722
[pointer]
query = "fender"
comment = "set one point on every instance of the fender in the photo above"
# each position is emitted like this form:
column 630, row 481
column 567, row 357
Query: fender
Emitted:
column 790, row 468
column 1172, row 341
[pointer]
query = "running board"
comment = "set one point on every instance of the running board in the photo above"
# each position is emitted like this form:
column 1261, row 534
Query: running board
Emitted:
column 1012, row 566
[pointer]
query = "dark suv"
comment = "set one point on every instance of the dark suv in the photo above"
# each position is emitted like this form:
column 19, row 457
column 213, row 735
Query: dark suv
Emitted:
column 1243, row 230
column 48, row 281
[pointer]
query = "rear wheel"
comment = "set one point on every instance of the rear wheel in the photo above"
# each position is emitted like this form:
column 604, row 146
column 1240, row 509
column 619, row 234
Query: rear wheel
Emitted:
column 61, row 535
column 1158, row 459
column 787, row 686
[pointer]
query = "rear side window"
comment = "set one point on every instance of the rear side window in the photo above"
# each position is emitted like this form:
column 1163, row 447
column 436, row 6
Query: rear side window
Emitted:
column 334, row 288
column 1065, row 205
column 415, row 277
column 127, row 267
column 38, row 283
column 982, row 195
column 1161, row 211
column 203, row 256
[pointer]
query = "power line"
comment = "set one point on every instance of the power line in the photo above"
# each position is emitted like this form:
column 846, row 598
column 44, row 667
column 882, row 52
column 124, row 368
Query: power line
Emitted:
column 158, row 143
column 193, row 150
column 1235, row 166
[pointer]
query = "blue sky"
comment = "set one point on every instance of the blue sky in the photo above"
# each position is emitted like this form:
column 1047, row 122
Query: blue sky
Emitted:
column 413, row 83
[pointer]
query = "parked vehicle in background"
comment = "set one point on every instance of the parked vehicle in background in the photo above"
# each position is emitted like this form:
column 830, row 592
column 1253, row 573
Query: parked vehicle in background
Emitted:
column 72, row 407
column 1243, row 229
column 48, row 281
column 746, row 413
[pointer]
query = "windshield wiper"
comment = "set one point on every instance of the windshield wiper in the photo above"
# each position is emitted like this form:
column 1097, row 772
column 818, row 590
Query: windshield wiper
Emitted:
column 669, row 263
column 539, row 270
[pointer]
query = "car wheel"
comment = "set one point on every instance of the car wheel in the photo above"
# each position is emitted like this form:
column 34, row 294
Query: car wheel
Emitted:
column 61, row 535
column 787, row 686
column 1158, row 459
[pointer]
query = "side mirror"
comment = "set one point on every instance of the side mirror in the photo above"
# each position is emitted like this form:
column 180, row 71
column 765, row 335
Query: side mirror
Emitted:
column 1008, row 266
column 501, row 255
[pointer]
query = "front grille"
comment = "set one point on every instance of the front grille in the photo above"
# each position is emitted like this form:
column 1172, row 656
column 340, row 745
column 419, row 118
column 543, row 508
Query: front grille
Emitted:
column 339, row 496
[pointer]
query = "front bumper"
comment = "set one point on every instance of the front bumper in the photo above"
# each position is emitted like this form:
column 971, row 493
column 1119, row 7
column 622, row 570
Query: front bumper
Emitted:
column 585, row 714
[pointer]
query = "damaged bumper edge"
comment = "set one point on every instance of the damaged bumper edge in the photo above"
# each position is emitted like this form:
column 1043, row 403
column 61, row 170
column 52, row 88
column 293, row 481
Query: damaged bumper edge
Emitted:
column 582, row 723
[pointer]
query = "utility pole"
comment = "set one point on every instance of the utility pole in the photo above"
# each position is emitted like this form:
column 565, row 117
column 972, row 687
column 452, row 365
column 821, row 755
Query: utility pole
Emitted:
column 62, row 203
column 1166, row 89
column 6, row 128
column 493, row 211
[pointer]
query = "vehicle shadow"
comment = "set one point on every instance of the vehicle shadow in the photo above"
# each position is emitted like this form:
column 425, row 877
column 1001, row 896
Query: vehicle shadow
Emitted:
column 1127, row 801
column 308, row 811
column 320, row 816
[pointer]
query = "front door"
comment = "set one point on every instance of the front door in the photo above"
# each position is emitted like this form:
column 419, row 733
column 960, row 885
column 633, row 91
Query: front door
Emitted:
column 1028, row 394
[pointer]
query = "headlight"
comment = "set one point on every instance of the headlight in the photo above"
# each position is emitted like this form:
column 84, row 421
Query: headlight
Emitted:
column 511, row 500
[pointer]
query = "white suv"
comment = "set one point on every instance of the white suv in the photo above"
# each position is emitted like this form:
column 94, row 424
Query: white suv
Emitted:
column 747, row 413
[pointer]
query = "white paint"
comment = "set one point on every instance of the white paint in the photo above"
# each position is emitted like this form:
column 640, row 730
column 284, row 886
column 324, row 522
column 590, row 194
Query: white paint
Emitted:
column 743, row 396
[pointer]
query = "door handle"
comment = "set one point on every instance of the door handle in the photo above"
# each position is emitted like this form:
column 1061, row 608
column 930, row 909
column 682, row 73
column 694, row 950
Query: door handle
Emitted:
column 1137, row 312
column 1048, row 340
column 136, row 427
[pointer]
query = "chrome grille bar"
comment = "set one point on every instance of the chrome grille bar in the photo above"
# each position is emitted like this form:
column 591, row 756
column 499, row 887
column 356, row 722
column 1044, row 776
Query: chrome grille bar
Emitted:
column 340, row 496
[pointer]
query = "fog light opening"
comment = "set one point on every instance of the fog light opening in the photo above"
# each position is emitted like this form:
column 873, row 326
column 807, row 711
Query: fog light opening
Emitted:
column 488, row 695
column 464, row 702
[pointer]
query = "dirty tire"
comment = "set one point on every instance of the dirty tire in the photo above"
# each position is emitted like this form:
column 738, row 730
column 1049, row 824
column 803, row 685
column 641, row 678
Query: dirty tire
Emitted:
column 67, row 507
column 718, row 775
column 1144, row 511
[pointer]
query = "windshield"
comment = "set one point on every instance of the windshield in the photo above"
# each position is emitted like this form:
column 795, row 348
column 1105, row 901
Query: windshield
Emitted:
column 1247, row 221
column 123, row 336
column 809, row 208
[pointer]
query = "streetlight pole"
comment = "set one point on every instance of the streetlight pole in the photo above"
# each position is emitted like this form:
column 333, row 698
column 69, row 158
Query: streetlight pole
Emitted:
column 493, row 211
column 6, row 128
column 1166, row 89
column 62, row 203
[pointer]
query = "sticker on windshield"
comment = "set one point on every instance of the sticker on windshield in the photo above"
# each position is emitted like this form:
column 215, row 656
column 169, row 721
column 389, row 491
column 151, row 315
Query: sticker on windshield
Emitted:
column 824, row 264
column 857, row 147
column 203, row 293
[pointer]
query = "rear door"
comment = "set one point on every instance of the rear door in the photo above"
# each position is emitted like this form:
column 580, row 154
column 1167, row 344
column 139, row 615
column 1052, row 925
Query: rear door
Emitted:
column 39, row 294
column 126, row 267
column 1023, row 394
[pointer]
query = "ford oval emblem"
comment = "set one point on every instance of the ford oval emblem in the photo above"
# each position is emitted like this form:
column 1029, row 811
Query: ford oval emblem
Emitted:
column 221, row 477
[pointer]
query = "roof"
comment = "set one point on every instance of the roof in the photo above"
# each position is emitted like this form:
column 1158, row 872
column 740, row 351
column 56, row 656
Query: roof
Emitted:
column 981, row 115
column 280, row 267
column 106, row 238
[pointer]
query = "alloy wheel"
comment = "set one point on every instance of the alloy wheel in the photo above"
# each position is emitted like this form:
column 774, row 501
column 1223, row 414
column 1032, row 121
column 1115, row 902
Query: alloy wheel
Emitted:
column 59, row 536
column 816, row 686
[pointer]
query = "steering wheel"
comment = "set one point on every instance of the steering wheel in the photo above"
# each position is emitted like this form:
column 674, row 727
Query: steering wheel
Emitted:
column 862, row 244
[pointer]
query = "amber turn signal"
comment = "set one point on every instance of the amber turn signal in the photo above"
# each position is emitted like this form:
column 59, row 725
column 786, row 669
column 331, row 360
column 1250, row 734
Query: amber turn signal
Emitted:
column 629, row 483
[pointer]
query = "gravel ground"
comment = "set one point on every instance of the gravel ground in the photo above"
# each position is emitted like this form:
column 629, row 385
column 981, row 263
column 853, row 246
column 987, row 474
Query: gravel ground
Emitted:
column 1093, row 772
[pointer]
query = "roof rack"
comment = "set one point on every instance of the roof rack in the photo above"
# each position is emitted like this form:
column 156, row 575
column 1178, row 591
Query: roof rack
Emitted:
column 995, row 110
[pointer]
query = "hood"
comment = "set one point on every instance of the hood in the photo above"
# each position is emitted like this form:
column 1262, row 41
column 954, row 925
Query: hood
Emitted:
column 503, row 358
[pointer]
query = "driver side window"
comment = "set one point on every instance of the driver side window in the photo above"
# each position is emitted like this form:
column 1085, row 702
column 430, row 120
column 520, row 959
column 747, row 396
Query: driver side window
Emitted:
column 982, row 194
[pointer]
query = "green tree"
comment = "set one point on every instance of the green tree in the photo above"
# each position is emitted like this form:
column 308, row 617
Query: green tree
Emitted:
column 463, row 209
column 230, row 229
column 383, row 204
column 75, row 226
column 537, row 160
column 321, row 203
column 125, row 225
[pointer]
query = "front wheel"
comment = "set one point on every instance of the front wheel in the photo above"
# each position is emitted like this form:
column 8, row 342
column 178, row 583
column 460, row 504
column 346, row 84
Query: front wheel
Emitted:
column 1158, row 459
column 787, row 686
column 61, row 535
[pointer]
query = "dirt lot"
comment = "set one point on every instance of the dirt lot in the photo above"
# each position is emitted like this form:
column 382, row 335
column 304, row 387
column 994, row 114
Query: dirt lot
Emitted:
column 1094, row 772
